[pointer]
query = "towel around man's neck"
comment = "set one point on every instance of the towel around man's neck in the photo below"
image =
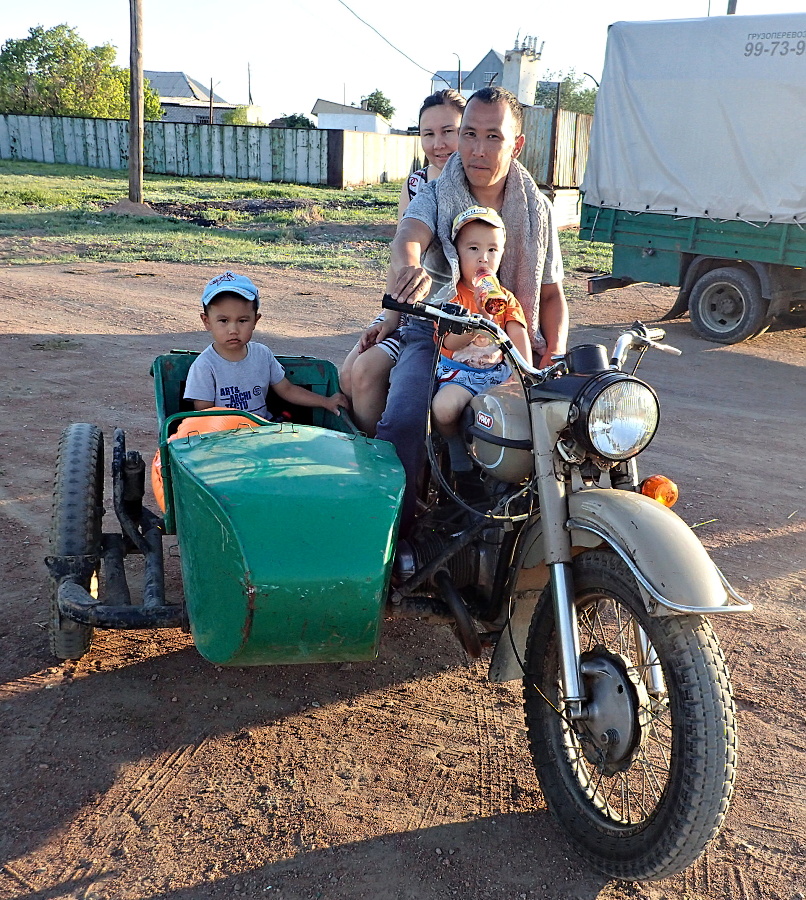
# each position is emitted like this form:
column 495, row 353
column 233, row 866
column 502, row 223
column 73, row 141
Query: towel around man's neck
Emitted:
column 525, row 214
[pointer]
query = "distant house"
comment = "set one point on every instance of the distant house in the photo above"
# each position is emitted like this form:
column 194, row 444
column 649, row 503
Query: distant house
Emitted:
column 515, row 70
column 488, row 72
column 183, row 99
column 349, row 118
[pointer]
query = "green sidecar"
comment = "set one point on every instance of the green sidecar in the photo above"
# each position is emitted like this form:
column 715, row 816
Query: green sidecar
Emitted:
column 286, row 530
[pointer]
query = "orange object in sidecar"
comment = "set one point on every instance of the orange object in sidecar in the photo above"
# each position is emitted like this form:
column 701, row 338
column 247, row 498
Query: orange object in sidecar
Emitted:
column 194, row 425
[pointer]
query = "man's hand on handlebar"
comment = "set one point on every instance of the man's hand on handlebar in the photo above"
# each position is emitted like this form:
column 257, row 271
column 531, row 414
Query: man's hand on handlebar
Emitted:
column 411, row 285
column 546, row 359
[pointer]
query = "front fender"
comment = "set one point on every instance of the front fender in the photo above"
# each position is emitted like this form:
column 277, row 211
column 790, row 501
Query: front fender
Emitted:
column 674, row 573
column 670, row 564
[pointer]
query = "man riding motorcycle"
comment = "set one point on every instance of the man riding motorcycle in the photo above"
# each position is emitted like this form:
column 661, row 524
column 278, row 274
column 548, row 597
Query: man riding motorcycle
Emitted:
column 424, row 264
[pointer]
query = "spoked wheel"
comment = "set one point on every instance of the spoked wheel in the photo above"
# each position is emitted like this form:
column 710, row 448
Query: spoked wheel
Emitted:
column 76, row 526
column 644, row 782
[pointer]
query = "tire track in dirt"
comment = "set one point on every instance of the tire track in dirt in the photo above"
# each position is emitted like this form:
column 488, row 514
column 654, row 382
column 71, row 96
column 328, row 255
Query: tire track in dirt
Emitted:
column 123, row 808
column 438, row 730
column 496, row 775
column 47, row 686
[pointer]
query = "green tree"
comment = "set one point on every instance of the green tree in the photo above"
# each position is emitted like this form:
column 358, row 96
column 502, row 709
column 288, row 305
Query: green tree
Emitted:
column 573, row 96
column 379, row 103
column 235, row 116
column 297, row 120
column 54, row 72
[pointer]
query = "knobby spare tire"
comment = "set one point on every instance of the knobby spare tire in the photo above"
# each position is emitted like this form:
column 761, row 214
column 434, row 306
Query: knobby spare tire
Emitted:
column 76, row 526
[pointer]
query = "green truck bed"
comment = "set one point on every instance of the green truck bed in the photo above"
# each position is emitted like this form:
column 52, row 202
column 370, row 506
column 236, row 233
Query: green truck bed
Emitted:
column 648, row 246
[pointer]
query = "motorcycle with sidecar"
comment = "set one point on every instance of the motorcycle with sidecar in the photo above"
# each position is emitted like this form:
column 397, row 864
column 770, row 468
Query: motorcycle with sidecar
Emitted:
column 569, row 567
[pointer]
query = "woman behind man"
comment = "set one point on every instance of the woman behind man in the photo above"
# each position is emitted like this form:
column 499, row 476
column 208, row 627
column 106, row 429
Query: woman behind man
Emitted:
column 364, row 375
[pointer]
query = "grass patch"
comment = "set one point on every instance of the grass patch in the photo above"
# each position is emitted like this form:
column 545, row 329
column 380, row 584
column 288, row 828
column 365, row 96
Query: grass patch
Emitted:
column 584, row 256
column 52, row 213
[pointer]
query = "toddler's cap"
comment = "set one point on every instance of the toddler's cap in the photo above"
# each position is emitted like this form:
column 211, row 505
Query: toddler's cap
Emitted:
column 231, row 283
column 480, row 213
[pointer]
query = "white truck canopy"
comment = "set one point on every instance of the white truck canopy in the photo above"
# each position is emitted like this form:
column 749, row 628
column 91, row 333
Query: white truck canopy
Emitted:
column 703, row 117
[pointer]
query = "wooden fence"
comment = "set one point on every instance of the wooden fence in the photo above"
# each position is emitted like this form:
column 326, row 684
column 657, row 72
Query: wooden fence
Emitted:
column 556, row 148
column 295, row 155
column 555, row 152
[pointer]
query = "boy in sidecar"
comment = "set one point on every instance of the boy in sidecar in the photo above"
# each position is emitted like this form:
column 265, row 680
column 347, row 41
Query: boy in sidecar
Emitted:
column 235, row 372
column 469, row 363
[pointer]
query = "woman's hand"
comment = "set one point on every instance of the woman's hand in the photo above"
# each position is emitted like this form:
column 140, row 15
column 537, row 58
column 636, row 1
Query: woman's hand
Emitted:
column 370, row 337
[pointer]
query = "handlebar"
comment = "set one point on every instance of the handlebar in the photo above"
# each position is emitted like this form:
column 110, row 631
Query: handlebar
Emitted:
column 416, row 308
column 460, row 320
column 639, row 337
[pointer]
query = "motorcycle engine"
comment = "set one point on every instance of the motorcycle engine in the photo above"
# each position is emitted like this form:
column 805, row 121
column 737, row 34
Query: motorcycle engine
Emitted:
column 499, row 436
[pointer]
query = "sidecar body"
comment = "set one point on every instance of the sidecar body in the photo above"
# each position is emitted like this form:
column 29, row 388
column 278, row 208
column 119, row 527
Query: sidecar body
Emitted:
column 286, row 529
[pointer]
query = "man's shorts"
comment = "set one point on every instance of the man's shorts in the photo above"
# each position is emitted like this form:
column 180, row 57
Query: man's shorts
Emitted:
column 474, row 380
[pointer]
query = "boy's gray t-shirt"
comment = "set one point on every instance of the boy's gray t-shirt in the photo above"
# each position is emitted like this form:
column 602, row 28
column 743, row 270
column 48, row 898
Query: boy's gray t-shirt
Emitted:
column 237, row 385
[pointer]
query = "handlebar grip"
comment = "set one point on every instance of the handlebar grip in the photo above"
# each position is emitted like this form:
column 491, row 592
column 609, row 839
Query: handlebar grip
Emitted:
column 415, row 308
column 667, row 348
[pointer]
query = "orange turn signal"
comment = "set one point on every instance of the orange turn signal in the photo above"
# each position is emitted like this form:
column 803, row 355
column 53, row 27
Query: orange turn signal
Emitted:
column 660, row 488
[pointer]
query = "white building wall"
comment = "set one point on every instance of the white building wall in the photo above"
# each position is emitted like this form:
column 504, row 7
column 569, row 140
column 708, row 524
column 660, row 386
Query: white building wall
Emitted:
column 347, row 122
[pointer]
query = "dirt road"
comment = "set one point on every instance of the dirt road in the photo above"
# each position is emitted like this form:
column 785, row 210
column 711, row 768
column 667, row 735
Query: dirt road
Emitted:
column 144, row 772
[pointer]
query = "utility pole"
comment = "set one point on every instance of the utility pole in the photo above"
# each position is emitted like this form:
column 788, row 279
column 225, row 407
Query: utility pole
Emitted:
column 136, row 103
column 731, row 7
column 211, row 101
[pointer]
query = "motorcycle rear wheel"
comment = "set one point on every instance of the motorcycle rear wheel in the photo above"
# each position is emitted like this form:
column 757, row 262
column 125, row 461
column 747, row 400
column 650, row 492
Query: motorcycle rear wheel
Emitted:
column 646, row 808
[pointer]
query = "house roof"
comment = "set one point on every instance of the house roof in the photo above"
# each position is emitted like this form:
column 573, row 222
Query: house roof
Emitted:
column 472, row 79
column 445, row 75
column 478, row 77
column 178, row 87
column 328, row 106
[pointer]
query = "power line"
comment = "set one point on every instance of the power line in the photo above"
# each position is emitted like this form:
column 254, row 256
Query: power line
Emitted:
column 396, row 49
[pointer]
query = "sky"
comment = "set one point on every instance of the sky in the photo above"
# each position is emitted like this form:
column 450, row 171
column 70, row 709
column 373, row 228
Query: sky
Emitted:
column 302, row 50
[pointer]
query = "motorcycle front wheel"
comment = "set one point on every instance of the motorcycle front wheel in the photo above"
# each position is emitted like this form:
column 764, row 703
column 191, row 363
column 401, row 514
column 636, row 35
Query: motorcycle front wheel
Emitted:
column 644, row 782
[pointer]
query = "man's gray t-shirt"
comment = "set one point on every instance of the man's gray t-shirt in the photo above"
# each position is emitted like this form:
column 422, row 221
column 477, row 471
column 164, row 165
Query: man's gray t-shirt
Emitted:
column 237, row 385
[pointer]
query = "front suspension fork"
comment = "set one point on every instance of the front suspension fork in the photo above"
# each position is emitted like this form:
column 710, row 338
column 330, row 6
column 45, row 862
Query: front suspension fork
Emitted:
column 557, row 550
column 565, row 620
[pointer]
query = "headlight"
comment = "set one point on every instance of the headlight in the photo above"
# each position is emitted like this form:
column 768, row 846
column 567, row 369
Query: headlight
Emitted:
column 615, row 415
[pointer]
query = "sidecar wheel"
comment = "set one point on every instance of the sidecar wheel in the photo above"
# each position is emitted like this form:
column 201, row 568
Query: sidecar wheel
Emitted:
column 644, row 784
column 76, row 526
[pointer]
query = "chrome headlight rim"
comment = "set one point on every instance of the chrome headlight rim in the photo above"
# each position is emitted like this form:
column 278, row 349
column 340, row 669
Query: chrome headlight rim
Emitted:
column 583, row 404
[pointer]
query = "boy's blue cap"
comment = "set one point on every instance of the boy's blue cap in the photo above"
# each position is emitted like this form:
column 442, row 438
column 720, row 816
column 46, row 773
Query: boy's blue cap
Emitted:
column 230, row 282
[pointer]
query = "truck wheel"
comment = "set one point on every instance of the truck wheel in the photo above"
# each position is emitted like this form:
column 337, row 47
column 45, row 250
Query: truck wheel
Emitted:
column 726, row 306
column 78, row 494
